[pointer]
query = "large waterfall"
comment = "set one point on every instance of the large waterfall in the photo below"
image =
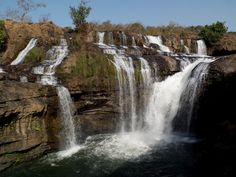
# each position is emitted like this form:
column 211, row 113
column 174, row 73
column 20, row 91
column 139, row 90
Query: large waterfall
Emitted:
column 20, row 58
column 165, row 99
column 201, row 47
column 154, row 113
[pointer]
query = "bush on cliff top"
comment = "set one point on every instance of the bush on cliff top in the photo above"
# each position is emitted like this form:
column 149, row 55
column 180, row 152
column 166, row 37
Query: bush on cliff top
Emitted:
column 212, row 34
column 79, row 14
column 3, row 35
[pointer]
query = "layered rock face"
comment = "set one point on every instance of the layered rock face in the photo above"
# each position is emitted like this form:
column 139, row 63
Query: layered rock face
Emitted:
column 28, row 121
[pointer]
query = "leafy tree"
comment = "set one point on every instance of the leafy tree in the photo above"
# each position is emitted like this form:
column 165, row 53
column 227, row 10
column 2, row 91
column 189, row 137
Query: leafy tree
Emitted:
column 24, row 7
column 79, row 14
column 213, row 33
column 3, row 35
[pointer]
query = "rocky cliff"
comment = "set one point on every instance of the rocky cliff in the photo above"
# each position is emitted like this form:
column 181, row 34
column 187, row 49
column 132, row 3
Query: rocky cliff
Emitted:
column 28, row 121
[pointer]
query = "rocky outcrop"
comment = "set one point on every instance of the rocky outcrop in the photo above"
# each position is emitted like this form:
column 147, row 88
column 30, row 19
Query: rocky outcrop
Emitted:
column 216, row 115
column 19, row 34
column 28, row 121
column 215, row 118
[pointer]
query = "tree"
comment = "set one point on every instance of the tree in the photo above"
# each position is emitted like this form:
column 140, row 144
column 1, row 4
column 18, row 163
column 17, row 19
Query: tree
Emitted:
column 213, row 33
column 79, row 14
column 22, row 12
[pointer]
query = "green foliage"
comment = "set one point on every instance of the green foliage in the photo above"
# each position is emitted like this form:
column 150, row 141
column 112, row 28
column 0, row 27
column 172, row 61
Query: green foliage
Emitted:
column 3, row 35
column 35, row 55
column 79, row 14
column 93, row 64
column 213, row 33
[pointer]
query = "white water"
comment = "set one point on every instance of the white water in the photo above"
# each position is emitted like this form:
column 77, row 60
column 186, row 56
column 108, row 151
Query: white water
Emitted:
column 100, row 37
column 201, row 47
column 186, row 49
column 123, row 39
column 134, row 45
column 110, row 38
column 157, row 40
column 47, row 69
column 1, row 70
column 188, row 97
column 23, row 79
column 146, row 73
column 165, row 101
column 126, row 80
column 20, row 58
column 145, row 126
column 46, row 72
column 67, row 111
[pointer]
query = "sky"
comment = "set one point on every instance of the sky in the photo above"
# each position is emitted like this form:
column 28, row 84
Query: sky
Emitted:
column 147, row 12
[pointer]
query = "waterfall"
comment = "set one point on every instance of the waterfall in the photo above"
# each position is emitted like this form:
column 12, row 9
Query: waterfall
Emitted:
column 23, row 79
column 133, row 42
column 157, row 40
column 127, row 87
column 46, row 71
column 188, row 97
column 186, row 49
column 20, row 58
column 110, row 38
column 123, row 39
column 67, row 112
column 165, row 99
column 100, row 37
column 201, row 47
column 1, row 70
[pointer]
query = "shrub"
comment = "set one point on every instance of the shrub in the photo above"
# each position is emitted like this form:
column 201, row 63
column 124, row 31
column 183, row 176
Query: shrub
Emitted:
column 36, row 55
column 213, row 33
column 3, row 35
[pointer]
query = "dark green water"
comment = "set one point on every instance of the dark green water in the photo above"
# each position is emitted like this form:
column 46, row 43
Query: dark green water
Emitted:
column 111, row 156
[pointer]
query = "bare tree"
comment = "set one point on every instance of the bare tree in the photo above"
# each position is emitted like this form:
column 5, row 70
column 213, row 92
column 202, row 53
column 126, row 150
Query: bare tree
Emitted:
column 21, row 13
column 44, row 18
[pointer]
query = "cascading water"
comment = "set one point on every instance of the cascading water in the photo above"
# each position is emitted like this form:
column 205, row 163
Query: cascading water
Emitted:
column 23, row 79
column 46, row 72
column 67, row 112
column 101, row 37
column 123, row 39
column 157, row 40
column 201, row 47
column 20, row 58
column 188, row 97
column 110, row 38
column 47, row 69
column 1, row 70
column 125, row 74
column 165, row 101
column 134, row 42
column 186, row 49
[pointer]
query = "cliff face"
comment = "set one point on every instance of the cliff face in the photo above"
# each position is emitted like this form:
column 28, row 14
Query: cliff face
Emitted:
column 28, row 121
